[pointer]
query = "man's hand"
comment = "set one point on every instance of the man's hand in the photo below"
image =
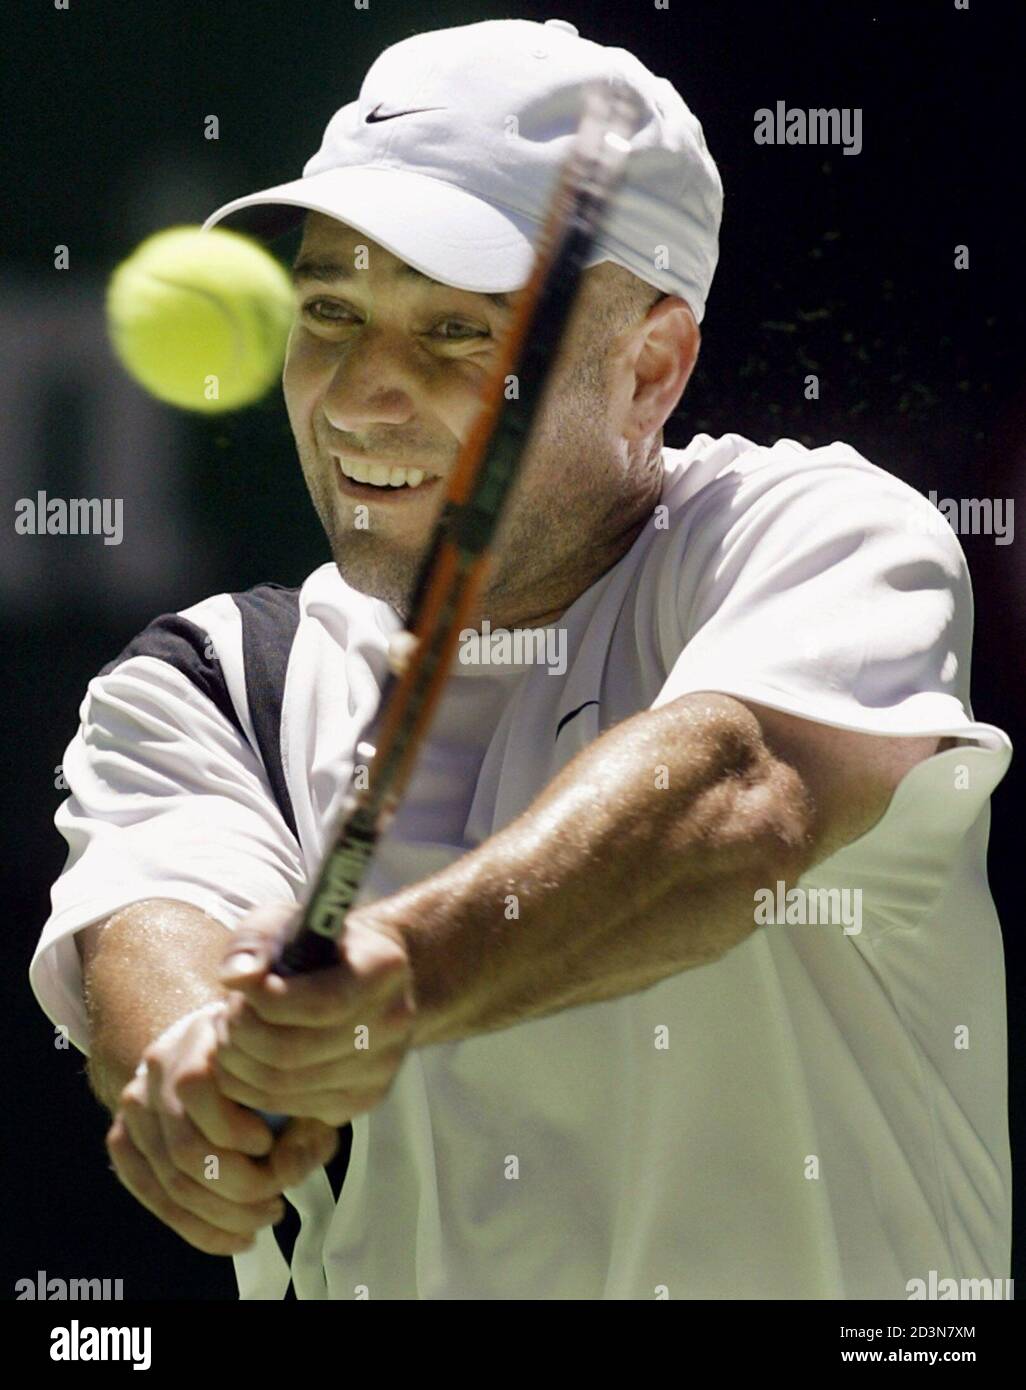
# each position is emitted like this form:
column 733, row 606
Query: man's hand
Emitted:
column 206, row 1167
column 327, row 1045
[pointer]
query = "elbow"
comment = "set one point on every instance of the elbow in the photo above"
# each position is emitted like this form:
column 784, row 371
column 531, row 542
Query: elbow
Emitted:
column 761, row 837
column 757, row 818
column 782, row 835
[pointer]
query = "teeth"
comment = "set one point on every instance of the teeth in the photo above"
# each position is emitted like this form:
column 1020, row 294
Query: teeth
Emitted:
column 380, row 475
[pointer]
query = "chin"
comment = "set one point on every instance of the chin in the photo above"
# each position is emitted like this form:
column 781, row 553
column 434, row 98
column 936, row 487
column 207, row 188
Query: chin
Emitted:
column 391, row 583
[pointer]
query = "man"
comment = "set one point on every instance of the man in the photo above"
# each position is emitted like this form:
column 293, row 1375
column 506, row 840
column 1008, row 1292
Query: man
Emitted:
column 677, row 974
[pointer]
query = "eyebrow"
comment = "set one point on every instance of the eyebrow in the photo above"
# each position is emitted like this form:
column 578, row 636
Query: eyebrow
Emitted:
column 327, row 272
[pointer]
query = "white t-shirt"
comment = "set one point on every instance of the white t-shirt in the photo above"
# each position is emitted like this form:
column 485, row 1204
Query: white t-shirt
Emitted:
column 820, row 1114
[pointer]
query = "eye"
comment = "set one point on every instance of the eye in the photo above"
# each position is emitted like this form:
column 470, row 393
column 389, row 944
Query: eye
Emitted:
column 312, row 308
column 470, row 331
column 320, row 311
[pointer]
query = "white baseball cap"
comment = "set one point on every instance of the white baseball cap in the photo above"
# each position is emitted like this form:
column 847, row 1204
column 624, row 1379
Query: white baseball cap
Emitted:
column 450, row 154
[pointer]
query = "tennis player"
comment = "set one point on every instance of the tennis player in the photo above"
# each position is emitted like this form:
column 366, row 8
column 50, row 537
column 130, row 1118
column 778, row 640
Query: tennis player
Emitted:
column 678, row 974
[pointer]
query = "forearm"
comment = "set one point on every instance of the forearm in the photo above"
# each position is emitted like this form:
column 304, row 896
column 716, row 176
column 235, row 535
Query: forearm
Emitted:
column 142, row 969
column 639, row 860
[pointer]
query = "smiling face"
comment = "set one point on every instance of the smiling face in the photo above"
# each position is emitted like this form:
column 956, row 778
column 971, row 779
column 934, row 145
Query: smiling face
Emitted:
column 385, row 370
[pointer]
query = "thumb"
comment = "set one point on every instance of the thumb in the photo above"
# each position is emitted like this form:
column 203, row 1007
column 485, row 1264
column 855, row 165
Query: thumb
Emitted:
column 303, row 1145
column 257, row 941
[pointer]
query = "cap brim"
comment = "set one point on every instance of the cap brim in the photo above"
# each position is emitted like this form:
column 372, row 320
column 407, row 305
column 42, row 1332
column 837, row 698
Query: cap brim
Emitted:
column 441, row 230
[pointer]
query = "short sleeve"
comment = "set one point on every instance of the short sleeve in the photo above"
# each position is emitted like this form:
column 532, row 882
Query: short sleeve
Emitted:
column 832, row 592
column 167, row 800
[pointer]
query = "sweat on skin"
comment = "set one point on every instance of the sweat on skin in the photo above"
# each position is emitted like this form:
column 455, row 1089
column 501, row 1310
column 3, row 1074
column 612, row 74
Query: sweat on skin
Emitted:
column 374, row 373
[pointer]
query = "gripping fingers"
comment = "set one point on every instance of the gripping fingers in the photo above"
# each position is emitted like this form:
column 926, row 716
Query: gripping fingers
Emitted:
column 186, row 1087
column 202, row 1209
column 364, row 1071
column 137, row 1176
column 333, row 1093
column 229, row 1173
column 332, row 1107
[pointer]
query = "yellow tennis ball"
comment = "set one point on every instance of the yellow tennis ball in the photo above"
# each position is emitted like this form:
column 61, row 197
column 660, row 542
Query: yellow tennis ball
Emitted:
column 201, row 318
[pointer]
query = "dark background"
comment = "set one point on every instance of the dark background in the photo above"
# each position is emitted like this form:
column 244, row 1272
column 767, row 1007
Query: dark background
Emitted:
column 841, row 265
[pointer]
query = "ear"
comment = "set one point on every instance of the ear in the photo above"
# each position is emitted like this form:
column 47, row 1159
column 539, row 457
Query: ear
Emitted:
column 661, row 356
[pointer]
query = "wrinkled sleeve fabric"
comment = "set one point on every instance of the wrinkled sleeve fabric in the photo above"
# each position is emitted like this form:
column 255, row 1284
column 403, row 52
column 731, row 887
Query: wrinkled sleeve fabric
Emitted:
column 829, row 592
column 167, row 800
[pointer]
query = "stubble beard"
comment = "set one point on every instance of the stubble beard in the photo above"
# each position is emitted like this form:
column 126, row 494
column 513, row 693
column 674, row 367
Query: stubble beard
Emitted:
column 537, row 555
column 365, row 561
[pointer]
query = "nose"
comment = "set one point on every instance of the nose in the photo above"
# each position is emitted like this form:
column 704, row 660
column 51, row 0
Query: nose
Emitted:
column 373, row 383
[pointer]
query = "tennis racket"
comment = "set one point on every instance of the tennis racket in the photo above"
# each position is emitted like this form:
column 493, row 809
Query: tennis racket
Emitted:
column 459, row 553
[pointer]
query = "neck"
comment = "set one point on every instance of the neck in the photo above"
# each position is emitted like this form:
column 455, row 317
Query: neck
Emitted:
column 543, row 609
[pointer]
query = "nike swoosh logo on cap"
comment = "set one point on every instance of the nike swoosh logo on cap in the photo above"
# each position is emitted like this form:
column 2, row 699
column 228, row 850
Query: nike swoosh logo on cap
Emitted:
column 391, row 115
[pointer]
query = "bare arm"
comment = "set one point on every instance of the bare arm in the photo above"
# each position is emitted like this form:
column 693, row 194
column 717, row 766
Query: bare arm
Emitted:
column 642, row 858
column 639, row 860
column 143, row 968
